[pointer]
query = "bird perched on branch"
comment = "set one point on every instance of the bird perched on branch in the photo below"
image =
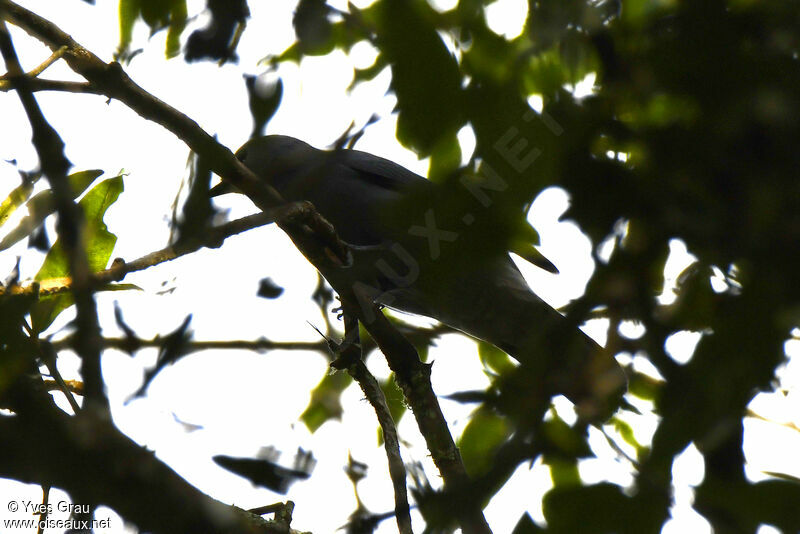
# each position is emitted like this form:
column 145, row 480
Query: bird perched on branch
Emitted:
column 418, row 251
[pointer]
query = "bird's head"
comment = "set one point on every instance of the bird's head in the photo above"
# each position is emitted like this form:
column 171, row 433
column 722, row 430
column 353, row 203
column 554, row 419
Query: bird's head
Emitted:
column 273, row 157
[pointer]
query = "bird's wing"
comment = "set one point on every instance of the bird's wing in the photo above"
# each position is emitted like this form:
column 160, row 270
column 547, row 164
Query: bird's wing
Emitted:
column 380, row 172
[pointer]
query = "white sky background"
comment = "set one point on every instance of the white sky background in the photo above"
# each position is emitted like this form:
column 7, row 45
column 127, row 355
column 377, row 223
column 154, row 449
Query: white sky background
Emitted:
column 244, row 400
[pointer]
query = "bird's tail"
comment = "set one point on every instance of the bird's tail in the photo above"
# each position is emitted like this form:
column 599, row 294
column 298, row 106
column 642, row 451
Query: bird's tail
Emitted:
column 502, row 310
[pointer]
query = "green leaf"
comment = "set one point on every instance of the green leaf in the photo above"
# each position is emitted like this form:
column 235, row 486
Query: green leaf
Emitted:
column 14, row 200
column 563, row 441
column 545, row 74
column 313, row 28
column 494, row 360
column 638, row 12
column 601, row 508
column 563, row 472
column 99, row 246
column 490, row 56
column 445, row 158
column 177, row 25
column 772, row 502
column 368, row 73
column 294, row 54
column 80, row 180
column 577, row 57
column 16, row 350
column 425, row 75
column 644, row 386
column 626, row 433
column 157, row 14
column 128, row 12
column 479, row 442
column 326, row 401
column 43, row 204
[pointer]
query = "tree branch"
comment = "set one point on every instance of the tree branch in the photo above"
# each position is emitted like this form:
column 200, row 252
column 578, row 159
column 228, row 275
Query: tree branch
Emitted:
column 54, row 164
column 414, row 378
column 372, row 391
column 98, row 464
column 39, row 84
column 111, row 80
column 213, row 238
column 312, row 235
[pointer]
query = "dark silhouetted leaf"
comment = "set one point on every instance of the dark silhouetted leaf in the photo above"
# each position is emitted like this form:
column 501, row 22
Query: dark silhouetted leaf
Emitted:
column 563, row 441
column 268, row 289
column 171, row 349
column 217, row 41
column 525, row 525
column 746, row 506
column 363, row 522
column 425, row 76
column 266, row 473
column 197, row 212
column 264, row 98
column 597, row 509
column 312, row 26
column 39, row 240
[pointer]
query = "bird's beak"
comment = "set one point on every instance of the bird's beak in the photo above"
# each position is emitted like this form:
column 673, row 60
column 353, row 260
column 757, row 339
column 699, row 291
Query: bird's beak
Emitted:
column 529, row 253
column 222, row 188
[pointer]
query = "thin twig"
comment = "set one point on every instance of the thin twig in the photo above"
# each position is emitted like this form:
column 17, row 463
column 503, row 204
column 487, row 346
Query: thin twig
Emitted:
column 39, row 84
column 45, row 508
column 213, row 238
column 413, row 377
column 6, row 85
column 618, row 449
column 48, row 357
column 374, row 394
column 754, row 415
column 125, row 344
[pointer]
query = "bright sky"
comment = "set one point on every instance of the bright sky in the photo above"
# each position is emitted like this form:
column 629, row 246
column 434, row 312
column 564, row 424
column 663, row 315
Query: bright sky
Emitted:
column 245, row 400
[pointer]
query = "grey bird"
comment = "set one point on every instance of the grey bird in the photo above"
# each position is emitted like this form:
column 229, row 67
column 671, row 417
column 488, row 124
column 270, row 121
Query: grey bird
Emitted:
column 404, row 261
